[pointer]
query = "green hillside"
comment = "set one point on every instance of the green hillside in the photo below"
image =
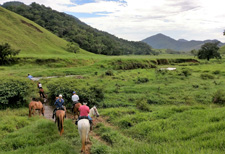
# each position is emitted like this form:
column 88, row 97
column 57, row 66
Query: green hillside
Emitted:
column 73, row 30
column 29, row 37
column 222, row 50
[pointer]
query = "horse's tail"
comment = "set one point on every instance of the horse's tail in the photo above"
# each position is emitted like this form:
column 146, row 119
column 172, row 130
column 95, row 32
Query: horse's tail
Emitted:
column 83, row 136
column 60, row 123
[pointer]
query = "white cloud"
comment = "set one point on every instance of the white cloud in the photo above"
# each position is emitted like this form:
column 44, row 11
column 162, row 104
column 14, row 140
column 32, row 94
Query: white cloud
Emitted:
column 136, row 20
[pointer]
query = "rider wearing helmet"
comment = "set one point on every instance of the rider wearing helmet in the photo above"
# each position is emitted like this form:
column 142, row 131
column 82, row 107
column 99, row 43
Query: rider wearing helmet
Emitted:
column 75, row 98
column 59, row 105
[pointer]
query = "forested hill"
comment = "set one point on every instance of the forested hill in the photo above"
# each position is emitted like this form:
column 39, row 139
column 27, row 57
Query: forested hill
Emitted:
column 73, row 30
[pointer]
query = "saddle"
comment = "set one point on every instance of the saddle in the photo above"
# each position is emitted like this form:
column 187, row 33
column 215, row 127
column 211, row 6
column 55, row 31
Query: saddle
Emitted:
column 60, row 108
column 83, row 117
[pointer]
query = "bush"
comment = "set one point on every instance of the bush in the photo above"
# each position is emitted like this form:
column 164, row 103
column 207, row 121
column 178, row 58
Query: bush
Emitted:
column 15, row 92
column 219, row 97
column 132, row 64
column 142, row 80
column 186, row 72
column 99, row 149
column 206, row 76
column 7, row 54
column 93, row 95
column 216, row 72
column 109, row 73
column 143, row 105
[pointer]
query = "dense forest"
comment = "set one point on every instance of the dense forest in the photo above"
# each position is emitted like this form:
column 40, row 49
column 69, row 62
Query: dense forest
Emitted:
column 73, row 30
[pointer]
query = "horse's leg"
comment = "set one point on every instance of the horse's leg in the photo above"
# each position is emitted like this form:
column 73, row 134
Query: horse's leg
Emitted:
column 33, row 110
column 29, row 111
column 39, row 112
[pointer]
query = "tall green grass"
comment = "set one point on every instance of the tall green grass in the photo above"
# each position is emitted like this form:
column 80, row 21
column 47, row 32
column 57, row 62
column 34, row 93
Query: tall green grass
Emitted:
column 20, row 134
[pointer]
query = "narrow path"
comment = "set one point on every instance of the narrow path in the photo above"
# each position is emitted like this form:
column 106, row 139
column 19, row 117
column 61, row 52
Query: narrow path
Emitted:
column 48, row 115
column 48, row 111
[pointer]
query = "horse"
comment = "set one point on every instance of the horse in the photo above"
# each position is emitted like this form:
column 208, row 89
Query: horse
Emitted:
column 59, row 118
column 34, row 105
column 76, row 110
column 84, row 127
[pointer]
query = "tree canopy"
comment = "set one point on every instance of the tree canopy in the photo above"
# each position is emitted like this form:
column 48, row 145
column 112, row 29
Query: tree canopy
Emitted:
column 73, row 30
column 209, row 51
column 7, row 53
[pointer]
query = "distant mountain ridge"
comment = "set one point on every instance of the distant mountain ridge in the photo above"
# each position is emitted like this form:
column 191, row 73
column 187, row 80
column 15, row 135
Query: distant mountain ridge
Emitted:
column 161, row 41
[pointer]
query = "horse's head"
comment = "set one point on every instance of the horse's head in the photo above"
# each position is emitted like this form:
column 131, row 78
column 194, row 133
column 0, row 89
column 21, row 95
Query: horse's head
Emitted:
column 95, row 112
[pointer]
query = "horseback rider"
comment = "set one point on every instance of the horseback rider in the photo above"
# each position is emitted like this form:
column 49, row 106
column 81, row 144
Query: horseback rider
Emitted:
column 39, row 85
column 75, row 99
column 29, row 76
column 59, row 105
column 41, row 92
column 84, row 111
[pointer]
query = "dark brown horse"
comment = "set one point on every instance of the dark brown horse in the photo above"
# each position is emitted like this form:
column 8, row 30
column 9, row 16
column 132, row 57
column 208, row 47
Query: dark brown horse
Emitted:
column 34, row 105
column 60, row 115
column 76, row 111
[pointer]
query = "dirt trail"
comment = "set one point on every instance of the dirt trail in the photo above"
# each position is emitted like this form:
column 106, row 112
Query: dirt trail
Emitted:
column 48, row 115
column 48, row 111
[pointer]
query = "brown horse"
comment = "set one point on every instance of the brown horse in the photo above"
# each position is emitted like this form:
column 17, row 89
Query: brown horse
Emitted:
column 76, row 110
column 34, row 105
column 60, row 114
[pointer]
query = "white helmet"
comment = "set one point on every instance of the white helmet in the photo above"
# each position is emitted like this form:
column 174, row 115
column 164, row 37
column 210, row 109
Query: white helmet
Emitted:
column 60, row 96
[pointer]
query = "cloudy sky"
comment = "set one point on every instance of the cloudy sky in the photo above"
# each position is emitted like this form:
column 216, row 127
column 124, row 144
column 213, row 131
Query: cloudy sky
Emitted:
column 138, row 19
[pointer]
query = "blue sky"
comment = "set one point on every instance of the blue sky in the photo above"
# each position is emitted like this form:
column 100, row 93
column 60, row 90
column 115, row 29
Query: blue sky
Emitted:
column 138, row 19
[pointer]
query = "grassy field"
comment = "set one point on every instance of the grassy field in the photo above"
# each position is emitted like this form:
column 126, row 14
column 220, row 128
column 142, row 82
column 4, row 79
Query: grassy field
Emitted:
column 20, row 134
column 150, row 111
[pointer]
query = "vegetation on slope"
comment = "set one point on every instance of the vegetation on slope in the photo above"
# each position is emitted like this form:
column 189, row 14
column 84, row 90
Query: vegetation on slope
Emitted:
column 29, row 37
column 73, row 30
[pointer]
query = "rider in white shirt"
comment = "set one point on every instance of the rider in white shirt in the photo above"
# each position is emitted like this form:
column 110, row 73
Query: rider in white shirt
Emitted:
column 75, row 98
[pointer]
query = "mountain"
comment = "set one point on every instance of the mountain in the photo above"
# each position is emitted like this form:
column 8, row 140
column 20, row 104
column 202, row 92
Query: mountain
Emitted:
column 28, row 36
column 160, row 41
column 73, row 30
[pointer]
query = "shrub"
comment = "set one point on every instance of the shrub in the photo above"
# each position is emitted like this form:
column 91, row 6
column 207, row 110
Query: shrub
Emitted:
column 143, row 105
column 132, row 64
column 219, row 97
column 109, row 73
column 7, row 54
column 206, row 76
column 15, row 92
column 93, row 95
column 216, row 72
column 186, row 72
column 142, row 80
column 99, row 149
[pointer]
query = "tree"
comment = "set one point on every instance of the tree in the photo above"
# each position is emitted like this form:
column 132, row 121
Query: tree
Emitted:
column 209, row 50
column 73, row 47
column 194, row 52
column 7, row 53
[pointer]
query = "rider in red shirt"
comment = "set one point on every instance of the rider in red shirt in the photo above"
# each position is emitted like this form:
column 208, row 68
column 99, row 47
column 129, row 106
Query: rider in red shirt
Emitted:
column 84, row 111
